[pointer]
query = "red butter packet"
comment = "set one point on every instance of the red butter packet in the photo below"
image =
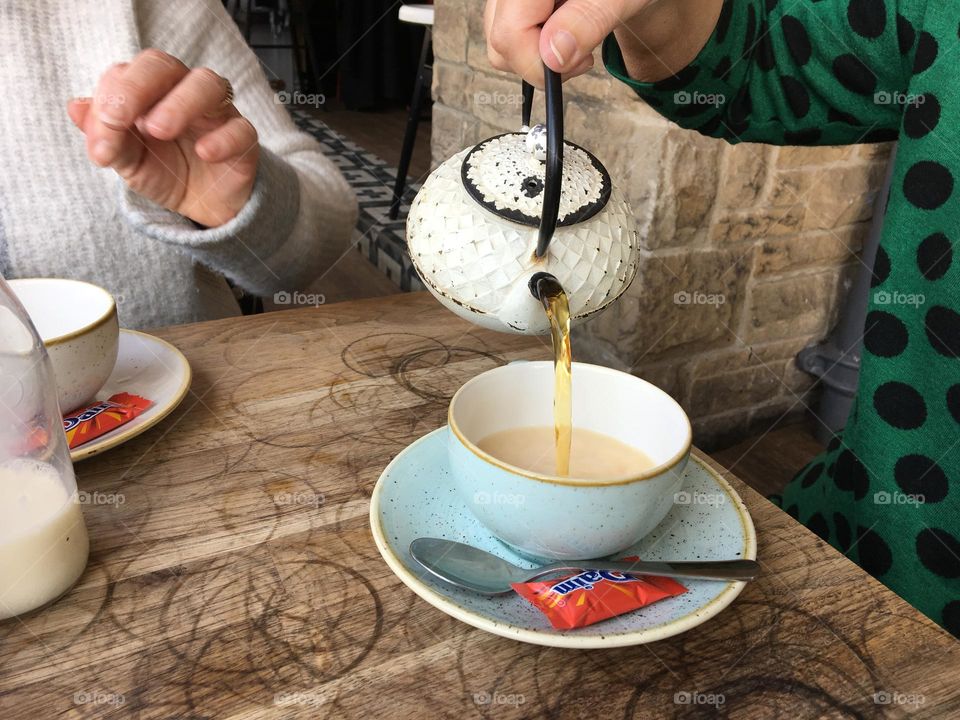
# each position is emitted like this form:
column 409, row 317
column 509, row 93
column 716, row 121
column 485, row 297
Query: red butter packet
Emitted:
column 595, row 595
column 101, row 417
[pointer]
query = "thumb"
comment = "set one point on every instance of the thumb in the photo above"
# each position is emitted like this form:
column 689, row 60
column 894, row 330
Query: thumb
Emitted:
column 579, row 26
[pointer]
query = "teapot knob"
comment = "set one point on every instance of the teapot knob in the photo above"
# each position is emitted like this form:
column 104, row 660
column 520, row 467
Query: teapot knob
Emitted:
column 537, row 142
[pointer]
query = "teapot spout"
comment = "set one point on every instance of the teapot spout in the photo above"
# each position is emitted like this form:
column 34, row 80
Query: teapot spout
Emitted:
column 543, row 286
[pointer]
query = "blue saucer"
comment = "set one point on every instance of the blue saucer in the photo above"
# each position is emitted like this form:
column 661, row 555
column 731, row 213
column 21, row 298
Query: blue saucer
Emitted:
column 415, row 497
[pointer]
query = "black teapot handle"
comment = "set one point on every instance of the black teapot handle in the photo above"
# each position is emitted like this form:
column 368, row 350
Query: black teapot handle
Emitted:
column 553, row 180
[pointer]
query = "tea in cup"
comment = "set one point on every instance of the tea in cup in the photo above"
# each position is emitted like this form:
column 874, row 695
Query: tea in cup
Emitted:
column 631, row 442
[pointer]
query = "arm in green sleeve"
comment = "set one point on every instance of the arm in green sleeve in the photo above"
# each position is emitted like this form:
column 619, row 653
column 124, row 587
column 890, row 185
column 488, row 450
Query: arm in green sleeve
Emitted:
column 827, row 73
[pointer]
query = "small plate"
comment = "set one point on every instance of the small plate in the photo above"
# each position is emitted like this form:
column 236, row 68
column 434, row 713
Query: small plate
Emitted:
column 415, row 497
column 149, row 367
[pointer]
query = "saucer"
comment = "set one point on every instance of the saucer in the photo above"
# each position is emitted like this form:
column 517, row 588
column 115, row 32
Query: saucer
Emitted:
column 415, row 497
column 149, row 367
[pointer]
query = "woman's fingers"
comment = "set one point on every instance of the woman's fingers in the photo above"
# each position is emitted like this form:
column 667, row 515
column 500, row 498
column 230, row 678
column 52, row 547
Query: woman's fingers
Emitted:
column 137, row 87
column 524, row 34
column 235, row 138
column 514, row 36
column 200, row 93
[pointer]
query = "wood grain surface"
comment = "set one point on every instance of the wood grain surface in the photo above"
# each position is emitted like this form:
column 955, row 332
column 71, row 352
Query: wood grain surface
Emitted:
column 234, row 574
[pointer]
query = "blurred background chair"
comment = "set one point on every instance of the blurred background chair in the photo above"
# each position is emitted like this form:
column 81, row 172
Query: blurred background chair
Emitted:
column 417, row 15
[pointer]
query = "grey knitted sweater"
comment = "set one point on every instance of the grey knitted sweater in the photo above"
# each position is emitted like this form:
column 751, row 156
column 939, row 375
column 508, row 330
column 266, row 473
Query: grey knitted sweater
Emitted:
column 61, row 216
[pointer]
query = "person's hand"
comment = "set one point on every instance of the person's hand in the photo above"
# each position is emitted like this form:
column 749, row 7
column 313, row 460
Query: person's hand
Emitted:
column 173, row 135
column 516, row 42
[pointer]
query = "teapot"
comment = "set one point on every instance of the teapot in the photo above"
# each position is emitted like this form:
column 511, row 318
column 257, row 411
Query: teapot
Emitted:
column 496, row 216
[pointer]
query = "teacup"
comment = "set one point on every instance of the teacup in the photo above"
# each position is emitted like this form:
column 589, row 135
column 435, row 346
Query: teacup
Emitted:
column 77, row 322
column 561, row 518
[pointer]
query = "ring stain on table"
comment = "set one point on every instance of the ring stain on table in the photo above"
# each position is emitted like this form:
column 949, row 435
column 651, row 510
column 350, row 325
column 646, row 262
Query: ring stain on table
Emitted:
column 239, row 579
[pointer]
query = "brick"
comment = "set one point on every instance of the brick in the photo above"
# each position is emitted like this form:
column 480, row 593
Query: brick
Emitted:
column 792, row 157
column 744, row 175
column 826, row 248
column 799, row 305
column 450, row 30
column 741, row 389
column 747, row 226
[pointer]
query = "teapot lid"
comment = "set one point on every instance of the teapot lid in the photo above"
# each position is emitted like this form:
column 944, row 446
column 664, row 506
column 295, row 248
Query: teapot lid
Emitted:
column 505, row 174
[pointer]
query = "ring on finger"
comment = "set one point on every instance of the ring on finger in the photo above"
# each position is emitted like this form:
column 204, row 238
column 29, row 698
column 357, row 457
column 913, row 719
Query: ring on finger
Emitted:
column 227, row 100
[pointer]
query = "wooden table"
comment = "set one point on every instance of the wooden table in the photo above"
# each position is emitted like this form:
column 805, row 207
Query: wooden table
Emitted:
column 238, row 577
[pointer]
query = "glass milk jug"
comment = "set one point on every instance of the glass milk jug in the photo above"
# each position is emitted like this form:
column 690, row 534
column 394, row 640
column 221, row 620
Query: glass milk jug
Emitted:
column 43, row 538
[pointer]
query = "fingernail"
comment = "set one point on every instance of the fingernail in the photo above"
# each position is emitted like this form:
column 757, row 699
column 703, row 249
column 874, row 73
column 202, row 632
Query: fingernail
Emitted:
column 103, row 151
column 111, row 118
column 564, row 46
column 159, row 121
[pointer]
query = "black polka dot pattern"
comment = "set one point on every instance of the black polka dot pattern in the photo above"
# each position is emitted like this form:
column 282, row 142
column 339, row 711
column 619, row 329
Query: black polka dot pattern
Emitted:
column 885, row 335
column 812, row 475
column 921, row 116
column 921, row 477
column 854, row 75
column 928, row 184
column 798, row 41
column 943, row 330
column 797, row 96
column 875, row 555
column 766, row 60
column 939, row 551
column 900, row 405
column 953, row 401
column 842, row 528
column 881, row 267
column 926, row 53
column 906, row 35
column 808, row 73
column 934, row 256
column 818, row 524
column 850, row 475
column 951, row 617
column 867, row 18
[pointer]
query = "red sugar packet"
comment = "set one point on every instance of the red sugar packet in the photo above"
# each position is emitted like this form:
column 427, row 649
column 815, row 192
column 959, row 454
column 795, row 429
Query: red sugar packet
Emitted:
column 594, row 595
column 101, row 417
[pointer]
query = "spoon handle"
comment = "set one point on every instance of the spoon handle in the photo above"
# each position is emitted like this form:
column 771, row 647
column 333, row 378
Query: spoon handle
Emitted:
column 730, row 570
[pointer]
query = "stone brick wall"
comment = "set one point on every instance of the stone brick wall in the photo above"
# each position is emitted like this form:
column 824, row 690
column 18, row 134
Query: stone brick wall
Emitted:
column 750, row 248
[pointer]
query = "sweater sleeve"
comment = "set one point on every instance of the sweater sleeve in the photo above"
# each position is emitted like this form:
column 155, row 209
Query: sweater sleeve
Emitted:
column 300, row 216
column 803, row 73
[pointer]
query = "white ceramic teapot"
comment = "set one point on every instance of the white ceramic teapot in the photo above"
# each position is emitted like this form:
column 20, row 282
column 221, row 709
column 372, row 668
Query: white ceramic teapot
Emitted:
column 494, row 215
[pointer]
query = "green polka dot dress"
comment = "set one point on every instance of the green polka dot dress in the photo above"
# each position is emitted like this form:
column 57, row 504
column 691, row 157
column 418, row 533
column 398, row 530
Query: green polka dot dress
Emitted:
column 886, row 492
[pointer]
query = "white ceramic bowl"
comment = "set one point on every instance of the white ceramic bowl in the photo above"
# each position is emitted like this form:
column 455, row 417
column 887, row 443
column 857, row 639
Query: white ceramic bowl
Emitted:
column 545, row 516
column 78, row 324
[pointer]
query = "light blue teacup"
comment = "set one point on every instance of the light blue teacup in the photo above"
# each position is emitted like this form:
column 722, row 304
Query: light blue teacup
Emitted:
column 562, row 518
